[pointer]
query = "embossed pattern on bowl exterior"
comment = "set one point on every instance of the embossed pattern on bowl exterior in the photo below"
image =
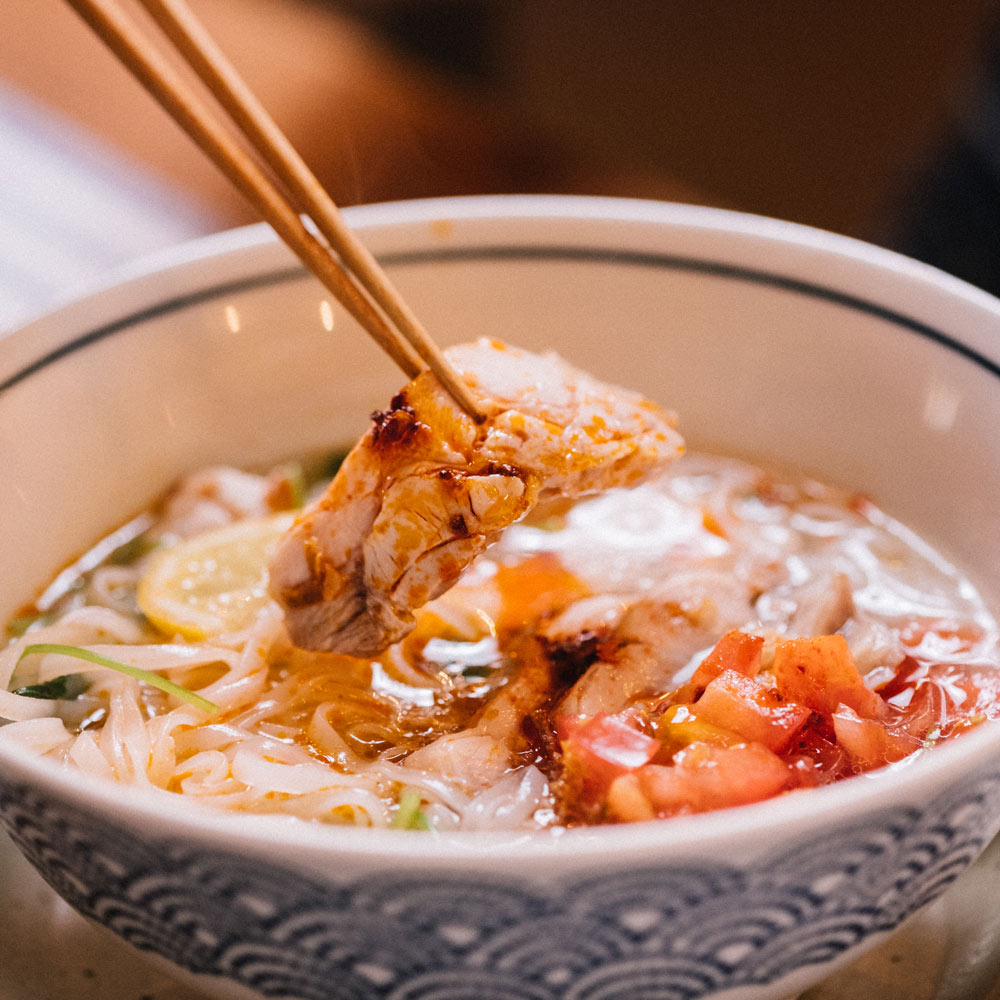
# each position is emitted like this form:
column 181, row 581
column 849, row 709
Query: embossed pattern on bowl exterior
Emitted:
column 685, row 931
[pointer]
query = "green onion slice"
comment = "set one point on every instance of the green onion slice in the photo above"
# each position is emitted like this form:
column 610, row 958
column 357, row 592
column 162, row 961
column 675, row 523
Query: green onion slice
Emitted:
column 409, row 815
column 422, row 822
column 124, row 668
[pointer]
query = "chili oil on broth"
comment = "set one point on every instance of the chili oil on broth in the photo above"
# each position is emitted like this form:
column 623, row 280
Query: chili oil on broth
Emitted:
column 483, row 717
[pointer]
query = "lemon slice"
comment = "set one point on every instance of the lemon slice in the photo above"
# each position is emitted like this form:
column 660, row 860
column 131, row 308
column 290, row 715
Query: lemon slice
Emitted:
column 213, row 583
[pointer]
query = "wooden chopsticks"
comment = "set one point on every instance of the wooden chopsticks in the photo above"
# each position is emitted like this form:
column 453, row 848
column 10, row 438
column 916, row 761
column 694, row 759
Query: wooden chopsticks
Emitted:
column 357, row 281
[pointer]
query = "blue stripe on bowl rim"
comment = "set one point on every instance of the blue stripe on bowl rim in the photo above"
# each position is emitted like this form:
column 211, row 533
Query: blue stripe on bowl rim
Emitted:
column 442, row 255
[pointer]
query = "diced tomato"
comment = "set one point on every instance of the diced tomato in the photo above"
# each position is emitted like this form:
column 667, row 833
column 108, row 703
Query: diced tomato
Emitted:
column 815, row 755
column 731, row 736
column 737, row 651
column 923, row 711
column 602, row 747
column 934, row 699
column 682, row 725
column 752, row 709
column 921, row 707
column 980, row 681
column 535, row 589
column 627, row 801
column 820, row 673
column 702, row 777
column 868, row 742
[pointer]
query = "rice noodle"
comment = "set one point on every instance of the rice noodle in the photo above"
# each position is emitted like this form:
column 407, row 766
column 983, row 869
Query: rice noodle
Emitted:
column 510, row 803
column 42, row 735
column 330, row 739
column 113, row 587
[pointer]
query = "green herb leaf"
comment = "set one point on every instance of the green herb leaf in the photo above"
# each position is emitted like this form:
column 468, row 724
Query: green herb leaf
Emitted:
column 66, row 687
column 155, row 680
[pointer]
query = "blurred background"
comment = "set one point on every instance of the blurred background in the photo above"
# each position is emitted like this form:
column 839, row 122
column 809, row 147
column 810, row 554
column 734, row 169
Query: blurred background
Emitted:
column 872, row 119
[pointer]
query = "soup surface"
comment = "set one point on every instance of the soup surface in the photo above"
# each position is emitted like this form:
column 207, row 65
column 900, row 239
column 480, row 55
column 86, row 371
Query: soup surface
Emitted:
column 714, row 637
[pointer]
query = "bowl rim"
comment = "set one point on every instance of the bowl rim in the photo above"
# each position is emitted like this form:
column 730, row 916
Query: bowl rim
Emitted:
column 180, row 273
column 234, row 252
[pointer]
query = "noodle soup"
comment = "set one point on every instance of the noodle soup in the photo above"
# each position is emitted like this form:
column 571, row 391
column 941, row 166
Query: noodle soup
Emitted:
column 718, row 636
column 770, row 340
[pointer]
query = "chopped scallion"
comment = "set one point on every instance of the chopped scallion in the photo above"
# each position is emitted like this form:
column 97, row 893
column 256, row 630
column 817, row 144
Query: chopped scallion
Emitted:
column 155, row 680
column 409, row 815
column 422, row 822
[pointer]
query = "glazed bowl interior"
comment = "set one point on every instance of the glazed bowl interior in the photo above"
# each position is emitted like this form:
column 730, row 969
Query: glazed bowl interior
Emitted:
column 771, row 341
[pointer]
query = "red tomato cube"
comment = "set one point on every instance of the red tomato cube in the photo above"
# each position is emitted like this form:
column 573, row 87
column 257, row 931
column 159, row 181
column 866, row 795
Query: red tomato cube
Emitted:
column 602, row 747
column 820, row 673
column 752, row 709
column 737, row 651
column 868, row 743
column 703, row 777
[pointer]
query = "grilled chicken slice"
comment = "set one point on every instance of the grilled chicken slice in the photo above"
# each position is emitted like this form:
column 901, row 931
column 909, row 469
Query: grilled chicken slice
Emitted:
column 427, row 489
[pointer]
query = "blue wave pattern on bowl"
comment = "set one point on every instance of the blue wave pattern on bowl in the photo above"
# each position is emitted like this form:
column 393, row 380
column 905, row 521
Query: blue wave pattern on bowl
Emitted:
column 677, row 932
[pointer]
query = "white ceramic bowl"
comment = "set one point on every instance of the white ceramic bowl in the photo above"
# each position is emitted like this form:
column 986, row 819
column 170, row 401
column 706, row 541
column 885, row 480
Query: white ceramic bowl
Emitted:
column 769, row 339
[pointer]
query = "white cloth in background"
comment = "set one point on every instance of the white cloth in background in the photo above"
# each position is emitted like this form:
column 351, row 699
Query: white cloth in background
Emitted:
column 71, row 210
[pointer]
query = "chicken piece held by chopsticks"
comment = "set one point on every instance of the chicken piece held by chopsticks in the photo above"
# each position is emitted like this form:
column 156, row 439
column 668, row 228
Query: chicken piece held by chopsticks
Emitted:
column 427, row 489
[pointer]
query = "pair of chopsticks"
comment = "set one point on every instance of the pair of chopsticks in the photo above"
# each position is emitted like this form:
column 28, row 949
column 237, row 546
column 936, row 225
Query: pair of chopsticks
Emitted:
column 264, row 166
